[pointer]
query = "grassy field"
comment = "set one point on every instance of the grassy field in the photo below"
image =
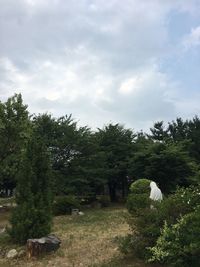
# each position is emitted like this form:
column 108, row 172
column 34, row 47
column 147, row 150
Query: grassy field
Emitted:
column 87, row 241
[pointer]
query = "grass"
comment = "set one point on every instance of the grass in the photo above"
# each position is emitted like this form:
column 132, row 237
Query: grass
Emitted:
column 87, row 241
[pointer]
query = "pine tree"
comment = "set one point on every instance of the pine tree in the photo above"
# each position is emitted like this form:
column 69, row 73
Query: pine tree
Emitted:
column 32, row 217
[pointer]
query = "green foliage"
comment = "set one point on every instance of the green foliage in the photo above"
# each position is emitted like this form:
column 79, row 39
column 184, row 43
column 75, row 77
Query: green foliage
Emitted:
column 134, row 245
column 168, row 164
column 158, row 132
column 14, row 132
column 64, row 205
column 146, row 222
column 138, row 199
column 116, row 143
column 76, row 159
column 183, row 201
column 140, row 186
column 32, row 217
column 179, row 244
column 29, row 221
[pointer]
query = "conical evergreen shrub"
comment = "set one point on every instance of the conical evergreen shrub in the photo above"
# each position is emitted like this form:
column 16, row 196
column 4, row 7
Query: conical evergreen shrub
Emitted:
column 32, row 217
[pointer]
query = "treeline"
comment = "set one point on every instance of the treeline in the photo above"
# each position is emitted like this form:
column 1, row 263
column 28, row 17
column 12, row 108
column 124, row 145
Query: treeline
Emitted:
column 84, row 162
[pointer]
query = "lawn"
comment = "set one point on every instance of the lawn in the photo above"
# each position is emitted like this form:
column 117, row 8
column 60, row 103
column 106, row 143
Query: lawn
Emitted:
column 87, row 241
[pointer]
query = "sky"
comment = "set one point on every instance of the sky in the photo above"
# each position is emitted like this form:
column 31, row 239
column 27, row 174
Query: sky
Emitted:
column 132, row 62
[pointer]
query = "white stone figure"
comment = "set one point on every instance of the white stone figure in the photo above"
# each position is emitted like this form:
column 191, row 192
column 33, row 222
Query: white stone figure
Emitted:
column 156, row 193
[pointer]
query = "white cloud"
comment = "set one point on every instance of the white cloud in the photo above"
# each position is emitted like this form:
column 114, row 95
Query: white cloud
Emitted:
column 98, row 60
column 193, row 39
column 130, row 85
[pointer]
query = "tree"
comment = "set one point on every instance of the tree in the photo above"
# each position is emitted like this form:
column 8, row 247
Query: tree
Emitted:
column 76, row 160
column 87, row 167
column 158, row 132
column 14, row 132
column 178, row 130
column 116, row 143
column 167, row 164
column 32, row 216
column 59, row 135
column 194, row 137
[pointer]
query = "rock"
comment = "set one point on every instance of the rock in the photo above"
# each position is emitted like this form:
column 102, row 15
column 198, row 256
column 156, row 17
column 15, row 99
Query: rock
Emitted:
column 81, row 213
column 36, row 247
column 12, row 254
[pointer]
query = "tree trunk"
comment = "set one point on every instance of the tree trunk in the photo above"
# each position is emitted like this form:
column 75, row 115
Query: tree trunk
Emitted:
column 124, row 187
column 37, row 247
column 112, row 192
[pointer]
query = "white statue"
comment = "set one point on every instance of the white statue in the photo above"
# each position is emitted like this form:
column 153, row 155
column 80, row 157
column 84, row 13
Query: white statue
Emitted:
column 156, row 193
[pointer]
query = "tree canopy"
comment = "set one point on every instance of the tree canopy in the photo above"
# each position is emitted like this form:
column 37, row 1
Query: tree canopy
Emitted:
column 86, row 162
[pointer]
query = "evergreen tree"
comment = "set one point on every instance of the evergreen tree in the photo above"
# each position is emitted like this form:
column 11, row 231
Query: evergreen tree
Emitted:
column 158, row 132
column 32, row 217
column 117, row 144
column 167, row 164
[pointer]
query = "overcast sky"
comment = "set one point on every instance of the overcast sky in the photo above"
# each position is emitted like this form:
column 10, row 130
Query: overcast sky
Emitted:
column 132, row 62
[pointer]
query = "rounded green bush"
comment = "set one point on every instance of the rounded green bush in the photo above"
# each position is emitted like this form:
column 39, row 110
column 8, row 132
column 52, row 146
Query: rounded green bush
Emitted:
column 140, row 186
column 138, row 198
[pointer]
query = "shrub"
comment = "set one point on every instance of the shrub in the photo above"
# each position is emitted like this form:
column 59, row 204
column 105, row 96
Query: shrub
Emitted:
column 32, row 216
column 183, row 201
column 146, row 223
column 64, row 205
column 179, row 244
column 138, row 199
column 138, row 204
column 132, row 244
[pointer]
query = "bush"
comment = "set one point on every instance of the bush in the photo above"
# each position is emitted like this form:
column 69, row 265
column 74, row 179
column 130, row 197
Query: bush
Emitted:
column 146, row 223
column 179, row 244
column 138, row 204
column 64, row 205
column 182, row 202
column 140, row 186
column 138, row 199
column 132, row 244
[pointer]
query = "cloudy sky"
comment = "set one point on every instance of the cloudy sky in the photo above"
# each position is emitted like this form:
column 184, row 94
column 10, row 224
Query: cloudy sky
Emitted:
column 133, row 61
